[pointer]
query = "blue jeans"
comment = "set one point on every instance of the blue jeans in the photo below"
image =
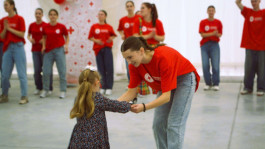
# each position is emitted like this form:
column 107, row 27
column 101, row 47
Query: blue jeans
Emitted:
column 254, row 64
column 105, row 67
column 56, row 55
column 1, row 54
column 127, row 68
column 210, row 52
column 170, row 119
column 15, row 54
column 37, row 63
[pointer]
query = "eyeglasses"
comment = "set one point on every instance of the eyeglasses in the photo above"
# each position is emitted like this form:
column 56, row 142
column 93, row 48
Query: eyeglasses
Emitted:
column 91, row 68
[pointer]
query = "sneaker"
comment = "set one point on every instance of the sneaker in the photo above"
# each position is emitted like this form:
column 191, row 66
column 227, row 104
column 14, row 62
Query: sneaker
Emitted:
column 260, row 93
column 108, row 92
column 207, row 87
column 62, row 95
column 24, row 100
column 49, row 92
column 215, row 88
column 3, row 98
column 43, row 94
column 102, row 91
column 244, row 92
column 37, row 92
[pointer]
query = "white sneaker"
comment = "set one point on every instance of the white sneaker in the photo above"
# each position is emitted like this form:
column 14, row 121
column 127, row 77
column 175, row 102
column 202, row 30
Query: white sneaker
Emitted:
column 43, row 94
column 260, row 93
column 108, row 92
column 37, row 92
column 49, row 92
column 215, row 88
column 62, row 95
column 207, row 87
column 102, row 91
column 244, row 92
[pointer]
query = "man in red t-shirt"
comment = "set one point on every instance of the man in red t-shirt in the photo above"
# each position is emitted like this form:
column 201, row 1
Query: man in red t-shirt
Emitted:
column 211, row 31
column 253, row 40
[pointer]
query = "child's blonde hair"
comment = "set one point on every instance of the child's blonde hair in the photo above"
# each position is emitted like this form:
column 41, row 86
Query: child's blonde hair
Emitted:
column 84, row 103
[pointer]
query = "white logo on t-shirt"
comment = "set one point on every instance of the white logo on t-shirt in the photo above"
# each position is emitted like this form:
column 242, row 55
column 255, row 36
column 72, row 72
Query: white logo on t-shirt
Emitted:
column 251, row 19
column 148, row 78
column 126, row 25
column 97, row 31
column 207, row 28
column 57, row 31
column 41, row 29
column 144, row 29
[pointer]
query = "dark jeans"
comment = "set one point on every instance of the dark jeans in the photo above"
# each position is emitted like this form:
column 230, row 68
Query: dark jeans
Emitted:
column 210, row 52
column 37, row 63
column 254, row 64
column 105, row 67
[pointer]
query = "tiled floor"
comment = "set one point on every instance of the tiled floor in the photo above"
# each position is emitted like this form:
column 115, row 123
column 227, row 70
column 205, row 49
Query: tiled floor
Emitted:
column 218, row 120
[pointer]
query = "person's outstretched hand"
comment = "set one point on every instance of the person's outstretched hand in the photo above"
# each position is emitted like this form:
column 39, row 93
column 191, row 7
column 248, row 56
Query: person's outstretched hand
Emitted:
column 137, row 108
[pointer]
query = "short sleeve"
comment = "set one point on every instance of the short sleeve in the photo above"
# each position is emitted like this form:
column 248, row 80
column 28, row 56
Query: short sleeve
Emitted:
column 245, row 11
column 201, row 27
column 91, row 32
column 159, row 28
column 120, row 28
column 136, row 26
column 135, row 78
column 65, row 32
column 220, row 29
column 22, row 26
column 112, row 33
column 168, row 74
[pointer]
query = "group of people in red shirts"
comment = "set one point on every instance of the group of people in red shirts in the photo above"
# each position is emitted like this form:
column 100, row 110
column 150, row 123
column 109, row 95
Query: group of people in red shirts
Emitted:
column 45, row 51
column 161, row 67
column 253, row 40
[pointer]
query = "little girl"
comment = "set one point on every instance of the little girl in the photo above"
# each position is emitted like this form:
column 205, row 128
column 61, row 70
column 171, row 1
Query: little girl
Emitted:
column 89, row 109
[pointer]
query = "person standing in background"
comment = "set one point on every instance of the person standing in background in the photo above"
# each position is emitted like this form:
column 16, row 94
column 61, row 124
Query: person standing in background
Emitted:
column 35, row 36
column 13, row 51
column 55, row 46
column 102, row 34
column 126, row 24
column 211, row 30
column 253, row 39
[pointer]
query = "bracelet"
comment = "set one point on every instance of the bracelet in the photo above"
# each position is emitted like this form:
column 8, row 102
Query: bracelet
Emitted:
column 144, row 107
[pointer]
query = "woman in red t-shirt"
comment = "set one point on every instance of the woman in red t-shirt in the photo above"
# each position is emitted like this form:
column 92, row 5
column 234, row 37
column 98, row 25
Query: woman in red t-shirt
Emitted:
column 55, row 46
column 126, row 24
column 14, row 53
column 102, row 34
column 149, row 26
column 167, row 71
column 35, row 35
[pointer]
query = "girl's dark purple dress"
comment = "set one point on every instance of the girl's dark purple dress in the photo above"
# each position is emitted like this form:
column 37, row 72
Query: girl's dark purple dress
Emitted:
column 92, row 133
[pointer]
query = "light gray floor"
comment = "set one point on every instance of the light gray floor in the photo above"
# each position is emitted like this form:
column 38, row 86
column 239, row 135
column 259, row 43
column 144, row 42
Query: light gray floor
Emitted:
column 218, row 120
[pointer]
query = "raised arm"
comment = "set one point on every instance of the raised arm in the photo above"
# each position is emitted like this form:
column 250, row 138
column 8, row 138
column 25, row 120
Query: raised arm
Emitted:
column 239, row 4
column 107, row 104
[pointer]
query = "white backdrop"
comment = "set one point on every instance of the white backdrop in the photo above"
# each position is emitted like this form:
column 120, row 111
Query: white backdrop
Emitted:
column 181, row 22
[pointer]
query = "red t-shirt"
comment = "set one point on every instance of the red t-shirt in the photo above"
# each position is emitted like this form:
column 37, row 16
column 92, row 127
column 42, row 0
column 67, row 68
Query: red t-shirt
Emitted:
column 126, row 25
column 147, row 28
column 207, row 26
column 162, row 71
column 102, row 32
column 36, row 31
column 16, row 22
column 54, row 36
column 254, row 29
column 1, row 29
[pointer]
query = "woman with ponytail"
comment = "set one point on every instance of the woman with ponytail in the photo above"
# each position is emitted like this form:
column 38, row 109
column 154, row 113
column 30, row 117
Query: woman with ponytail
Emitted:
column 149, row 26
column 13, row 51
column 102, row 34
column 89, row 109
column 173, row 76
